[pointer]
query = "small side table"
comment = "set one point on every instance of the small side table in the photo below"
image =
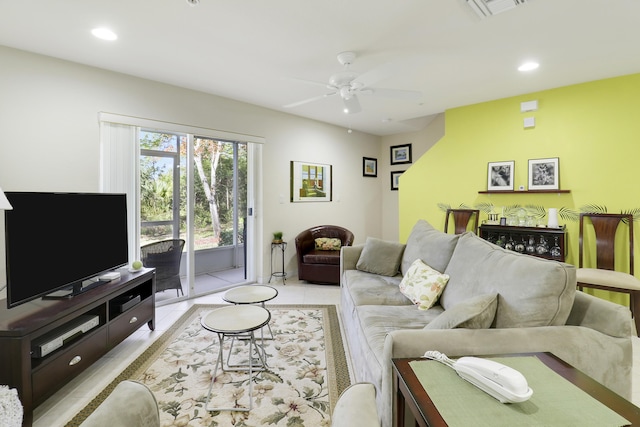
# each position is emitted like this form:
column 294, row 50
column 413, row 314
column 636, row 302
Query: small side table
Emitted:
column 237, row 321
column 251, row 294
column 282, row 246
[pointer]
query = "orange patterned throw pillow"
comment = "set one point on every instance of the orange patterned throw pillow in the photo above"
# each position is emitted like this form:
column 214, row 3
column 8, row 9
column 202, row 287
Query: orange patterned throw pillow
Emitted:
column 328, row 244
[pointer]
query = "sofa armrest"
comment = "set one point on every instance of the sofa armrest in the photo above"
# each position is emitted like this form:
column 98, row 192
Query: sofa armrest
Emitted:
column 603, row 316
column 349, row 256
column 584, row 348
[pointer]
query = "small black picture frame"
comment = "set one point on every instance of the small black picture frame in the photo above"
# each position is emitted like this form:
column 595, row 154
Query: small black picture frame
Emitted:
column 394, row 179
column 400, row 154
column 369, row 167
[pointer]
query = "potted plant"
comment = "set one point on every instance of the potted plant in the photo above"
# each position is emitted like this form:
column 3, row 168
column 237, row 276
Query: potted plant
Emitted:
column 277, row 237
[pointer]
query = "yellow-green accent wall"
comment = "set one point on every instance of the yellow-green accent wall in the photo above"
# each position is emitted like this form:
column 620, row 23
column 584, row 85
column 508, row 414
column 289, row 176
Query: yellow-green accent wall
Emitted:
column 593, row 128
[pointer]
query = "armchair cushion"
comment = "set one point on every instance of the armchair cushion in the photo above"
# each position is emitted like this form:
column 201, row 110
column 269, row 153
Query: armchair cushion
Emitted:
column 328, row 244
column 380, row 257
column 322, row 257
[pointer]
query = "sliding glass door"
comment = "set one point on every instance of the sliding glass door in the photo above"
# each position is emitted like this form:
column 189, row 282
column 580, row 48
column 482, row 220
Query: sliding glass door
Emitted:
column 202, row 201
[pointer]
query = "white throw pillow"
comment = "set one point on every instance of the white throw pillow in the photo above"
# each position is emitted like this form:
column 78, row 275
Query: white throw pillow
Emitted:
column 423, row 285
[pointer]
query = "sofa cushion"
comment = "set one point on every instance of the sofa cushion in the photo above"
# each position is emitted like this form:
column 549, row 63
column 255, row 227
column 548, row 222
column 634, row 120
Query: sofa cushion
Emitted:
column 378, row 321
column 531, row 291
column 423, row 285
column 475, row 313
column 373, row 289
column 322, row 257
column 433, row 247
column 328, row 244
column 380, row 257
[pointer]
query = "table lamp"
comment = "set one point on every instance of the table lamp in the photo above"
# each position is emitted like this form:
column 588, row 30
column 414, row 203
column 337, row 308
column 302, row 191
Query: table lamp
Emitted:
column 4, row 203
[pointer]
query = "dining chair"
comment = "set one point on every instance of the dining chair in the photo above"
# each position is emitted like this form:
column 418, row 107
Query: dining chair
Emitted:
column 604, row 276
column 461, row 218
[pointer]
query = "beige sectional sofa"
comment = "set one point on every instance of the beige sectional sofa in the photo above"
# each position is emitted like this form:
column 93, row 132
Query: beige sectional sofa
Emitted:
column 495, row 302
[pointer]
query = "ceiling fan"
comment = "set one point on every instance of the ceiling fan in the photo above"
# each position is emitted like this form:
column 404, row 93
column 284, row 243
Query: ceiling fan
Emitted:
column 349, row 85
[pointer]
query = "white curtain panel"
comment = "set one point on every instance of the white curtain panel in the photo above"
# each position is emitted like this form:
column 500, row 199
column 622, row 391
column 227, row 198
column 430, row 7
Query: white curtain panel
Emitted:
column 119, row 173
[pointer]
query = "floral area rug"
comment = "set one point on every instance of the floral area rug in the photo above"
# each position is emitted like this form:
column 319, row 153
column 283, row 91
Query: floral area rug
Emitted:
column 307, row 371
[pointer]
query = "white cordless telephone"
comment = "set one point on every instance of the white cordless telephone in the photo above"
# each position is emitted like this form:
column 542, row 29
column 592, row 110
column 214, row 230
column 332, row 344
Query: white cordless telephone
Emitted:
column 498, row 380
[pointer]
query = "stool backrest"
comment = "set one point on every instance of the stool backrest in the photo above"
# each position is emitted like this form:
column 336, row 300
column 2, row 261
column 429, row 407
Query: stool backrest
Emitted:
column 461, row 218
column 605, row 227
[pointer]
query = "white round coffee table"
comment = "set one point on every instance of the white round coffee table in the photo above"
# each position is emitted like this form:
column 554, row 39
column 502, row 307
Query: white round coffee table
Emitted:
column 237, row 321
column 251, row 294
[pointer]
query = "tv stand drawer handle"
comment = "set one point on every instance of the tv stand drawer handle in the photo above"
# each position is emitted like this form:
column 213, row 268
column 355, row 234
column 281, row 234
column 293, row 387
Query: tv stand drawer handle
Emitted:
column 75, row 360
column 134, row 319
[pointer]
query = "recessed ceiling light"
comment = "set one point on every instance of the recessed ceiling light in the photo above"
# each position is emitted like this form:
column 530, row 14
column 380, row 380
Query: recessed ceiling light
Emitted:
column 528, row 66
column 104, row 34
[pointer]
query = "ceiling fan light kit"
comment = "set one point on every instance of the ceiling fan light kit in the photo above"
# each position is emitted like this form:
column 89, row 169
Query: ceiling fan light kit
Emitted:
column 349, row 84
column 346, row 58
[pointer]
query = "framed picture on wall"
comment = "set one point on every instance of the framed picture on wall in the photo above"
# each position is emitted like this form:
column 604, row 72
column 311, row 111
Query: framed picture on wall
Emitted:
column 400, row 154
column 500, row 176
column 369, row 167
column 310, row 182
column 394, row 179
column 544, row 174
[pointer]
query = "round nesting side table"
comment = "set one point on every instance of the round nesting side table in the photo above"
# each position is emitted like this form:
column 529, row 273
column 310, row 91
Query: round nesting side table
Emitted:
column 251, row 294
column 236, row 321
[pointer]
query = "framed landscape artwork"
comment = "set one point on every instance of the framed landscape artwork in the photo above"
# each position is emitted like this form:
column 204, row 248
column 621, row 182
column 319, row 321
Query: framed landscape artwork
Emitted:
column 500, row 176
column 400, row 154
column 369, row 167
column 394, row 179
column 544, row 174
column 310, row 182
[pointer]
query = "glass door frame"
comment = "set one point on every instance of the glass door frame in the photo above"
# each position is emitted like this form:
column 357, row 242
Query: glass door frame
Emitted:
column 175, row 209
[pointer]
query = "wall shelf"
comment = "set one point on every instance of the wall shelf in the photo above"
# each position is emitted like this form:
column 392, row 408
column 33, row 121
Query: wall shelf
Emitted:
column 525, row 191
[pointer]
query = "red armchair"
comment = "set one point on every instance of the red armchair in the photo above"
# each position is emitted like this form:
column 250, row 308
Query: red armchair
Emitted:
column 320, row 266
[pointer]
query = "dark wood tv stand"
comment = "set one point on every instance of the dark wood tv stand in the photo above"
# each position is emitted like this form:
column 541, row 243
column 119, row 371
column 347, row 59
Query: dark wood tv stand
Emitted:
column 20, row 327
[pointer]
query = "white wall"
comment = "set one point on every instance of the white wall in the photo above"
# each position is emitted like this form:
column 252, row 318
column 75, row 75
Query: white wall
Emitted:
column 50, row 142
column 420, row 141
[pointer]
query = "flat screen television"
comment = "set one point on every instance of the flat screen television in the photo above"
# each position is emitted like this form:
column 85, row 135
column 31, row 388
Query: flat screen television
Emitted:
column 57, row 241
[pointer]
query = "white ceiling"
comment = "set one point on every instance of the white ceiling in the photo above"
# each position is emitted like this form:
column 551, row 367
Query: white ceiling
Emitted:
column 254, row 50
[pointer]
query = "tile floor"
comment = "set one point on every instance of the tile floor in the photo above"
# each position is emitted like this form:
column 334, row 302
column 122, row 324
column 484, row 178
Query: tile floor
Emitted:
column 69, row 400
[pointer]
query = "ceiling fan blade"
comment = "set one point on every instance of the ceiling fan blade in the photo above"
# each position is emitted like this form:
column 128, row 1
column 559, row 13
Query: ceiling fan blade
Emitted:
column 388, row 69
column 311, row 82
column 306, row 101
column 410, row 95
column 352, row 105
